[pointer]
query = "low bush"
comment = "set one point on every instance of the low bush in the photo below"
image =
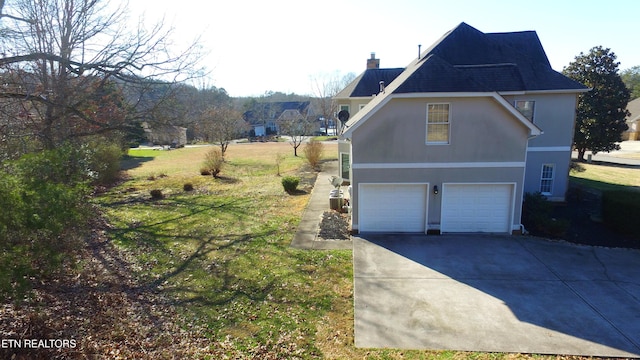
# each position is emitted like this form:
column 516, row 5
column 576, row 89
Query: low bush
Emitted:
column 536, row 216
column 313, row 152
column 187, row 187
column 621, row 211
column 290, row 184
column 156, row 194
column 104, row 163
column 213, row 162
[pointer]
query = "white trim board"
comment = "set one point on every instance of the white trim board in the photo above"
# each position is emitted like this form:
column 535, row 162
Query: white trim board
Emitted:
column 548, row 148
column 455, row 165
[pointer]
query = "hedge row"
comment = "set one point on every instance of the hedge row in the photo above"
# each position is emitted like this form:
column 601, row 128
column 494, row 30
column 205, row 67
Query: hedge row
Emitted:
column 621, row 211
column 44, row 210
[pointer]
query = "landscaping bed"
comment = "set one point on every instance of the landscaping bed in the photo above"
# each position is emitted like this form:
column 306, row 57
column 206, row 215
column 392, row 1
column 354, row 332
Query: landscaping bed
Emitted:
column 583, row 211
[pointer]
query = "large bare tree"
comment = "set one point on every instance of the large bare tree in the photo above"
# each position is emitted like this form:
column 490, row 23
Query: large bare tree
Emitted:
column 75, row 68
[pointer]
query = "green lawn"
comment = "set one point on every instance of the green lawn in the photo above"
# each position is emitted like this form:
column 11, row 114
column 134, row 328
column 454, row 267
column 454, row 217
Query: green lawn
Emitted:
column 606, row 177
column 222, row 253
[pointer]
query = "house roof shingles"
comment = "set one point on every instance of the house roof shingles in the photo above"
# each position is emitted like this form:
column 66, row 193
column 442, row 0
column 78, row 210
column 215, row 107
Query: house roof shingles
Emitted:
column 368, row 83
column 486, row 62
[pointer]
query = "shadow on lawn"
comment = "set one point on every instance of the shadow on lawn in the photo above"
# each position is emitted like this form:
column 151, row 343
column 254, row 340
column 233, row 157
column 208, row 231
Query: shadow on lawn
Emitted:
column 131, row 162
column 222, row 282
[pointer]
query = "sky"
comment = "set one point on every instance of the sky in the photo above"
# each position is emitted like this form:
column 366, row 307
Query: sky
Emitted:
column 257, row 46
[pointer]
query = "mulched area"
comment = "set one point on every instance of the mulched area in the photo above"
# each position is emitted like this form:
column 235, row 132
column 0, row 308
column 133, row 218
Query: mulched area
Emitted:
column 334, row 226
column 582, row 209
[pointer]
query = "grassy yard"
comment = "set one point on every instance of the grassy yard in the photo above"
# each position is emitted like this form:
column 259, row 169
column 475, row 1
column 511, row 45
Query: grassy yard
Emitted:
column 606, row 177
column 221, row 252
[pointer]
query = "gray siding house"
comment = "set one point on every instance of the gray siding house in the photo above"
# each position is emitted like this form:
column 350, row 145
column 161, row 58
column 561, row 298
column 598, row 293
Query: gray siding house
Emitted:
column 456, row 138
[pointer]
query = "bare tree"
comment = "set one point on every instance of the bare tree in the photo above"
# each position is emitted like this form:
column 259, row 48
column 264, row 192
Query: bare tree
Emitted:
column 222, row 124
column 325, row 87
column 75, row 69
column 297, row 126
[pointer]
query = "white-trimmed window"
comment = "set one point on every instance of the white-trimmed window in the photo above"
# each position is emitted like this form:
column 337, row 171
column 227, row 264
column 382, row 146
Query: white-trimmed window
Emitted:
column 345, row 107
column 361, row 106
column 546, row 179
column 438, row 121
column 345, row 166
column 526, row 108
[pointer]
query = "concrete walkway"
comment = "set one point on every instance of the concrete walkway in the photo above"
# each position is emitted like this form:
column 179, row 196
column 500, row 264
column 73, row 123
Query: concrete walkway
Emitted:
column 307, row 235
column 497, row 294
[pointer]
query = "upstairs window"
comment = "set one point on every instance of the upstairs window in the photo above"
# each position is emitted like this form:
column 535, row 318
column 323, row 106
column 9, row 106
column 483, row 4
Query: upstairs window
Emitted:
column 438, row 122
column 526, row 108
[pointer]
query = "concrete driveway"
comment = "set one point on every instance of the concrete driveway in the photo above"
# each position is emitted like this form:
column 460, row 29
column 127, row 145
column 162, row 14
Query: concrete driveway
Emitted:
column 496, row 294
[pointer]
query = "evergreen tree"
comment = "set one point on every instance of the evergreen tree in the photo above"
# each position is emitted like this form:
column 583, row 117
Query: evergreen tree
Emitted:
column 631, row 78
column 601, row 112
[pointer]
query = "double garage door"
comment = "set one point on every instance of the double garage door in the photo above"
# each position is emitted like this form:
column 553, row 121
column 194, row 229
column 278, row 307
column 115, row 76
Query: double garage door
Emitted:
column 464, row 207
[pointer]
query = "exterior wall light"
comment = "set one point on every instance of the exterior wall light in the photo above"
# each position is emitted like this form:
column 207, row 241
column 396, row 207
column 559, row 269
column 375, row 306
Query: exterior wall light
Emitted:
column 435, row 189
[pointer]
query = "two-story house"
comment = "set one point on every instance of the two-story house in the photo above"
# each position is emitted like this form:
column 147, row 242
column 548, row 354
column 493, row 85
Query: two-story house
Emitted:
column 452, row 142
column 264, row 117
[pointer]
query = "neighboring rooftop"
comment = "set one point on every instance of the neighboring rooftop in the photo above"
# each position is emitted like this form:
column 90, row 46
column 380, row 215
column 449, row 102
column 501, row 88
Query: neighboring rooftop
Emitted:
column 273, row 110
column 634, row 108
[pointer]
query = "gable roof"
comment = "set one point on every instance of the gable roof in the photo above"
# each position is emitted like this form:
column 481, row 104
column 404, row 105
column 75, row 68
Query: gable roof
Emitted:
column 466, row 61
column 368, row 83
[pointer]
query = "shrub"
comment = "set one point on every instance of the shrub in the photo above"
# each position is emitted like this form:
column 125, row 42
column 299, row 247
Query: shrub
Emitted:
column 156, row 194
column 104, row 163
column 187, row 187
column 47, row 194
column 313, row 152
column 536, row 216
column 213, row 162
column 290, row 184
column 621, row 211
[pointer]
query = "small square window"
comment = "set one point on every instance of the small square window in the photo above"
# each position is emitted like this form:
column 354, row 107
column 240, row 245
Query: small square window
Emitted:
column 526, row 108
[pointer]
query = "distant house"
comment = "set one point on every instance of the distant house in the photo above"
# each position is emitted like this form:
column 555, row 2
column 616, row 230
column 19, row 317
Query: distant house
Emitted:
column 175, row 136
column 452, row 142
column 263, row 117
column 633, row 121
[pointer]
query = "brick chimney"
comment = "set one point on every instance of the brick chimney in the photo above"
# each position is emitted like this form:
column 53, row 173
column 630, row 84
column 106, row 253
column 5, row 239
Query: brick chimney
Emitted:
column 373, row 63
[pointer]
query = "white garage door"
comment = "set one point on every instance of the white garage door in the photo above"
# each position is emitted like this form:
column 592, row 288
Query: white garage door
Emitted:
column 392, row 207
column 476, row 208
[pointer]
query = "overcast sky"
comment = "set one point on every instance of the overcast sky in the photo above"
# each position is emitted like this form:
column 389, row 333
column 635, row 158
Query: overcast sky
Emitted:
column 279, row 45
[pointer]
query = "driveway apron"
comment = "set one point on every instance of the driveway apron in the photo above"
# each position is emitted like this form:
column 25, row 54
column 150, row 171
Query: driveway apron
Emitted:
column 496, row 294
